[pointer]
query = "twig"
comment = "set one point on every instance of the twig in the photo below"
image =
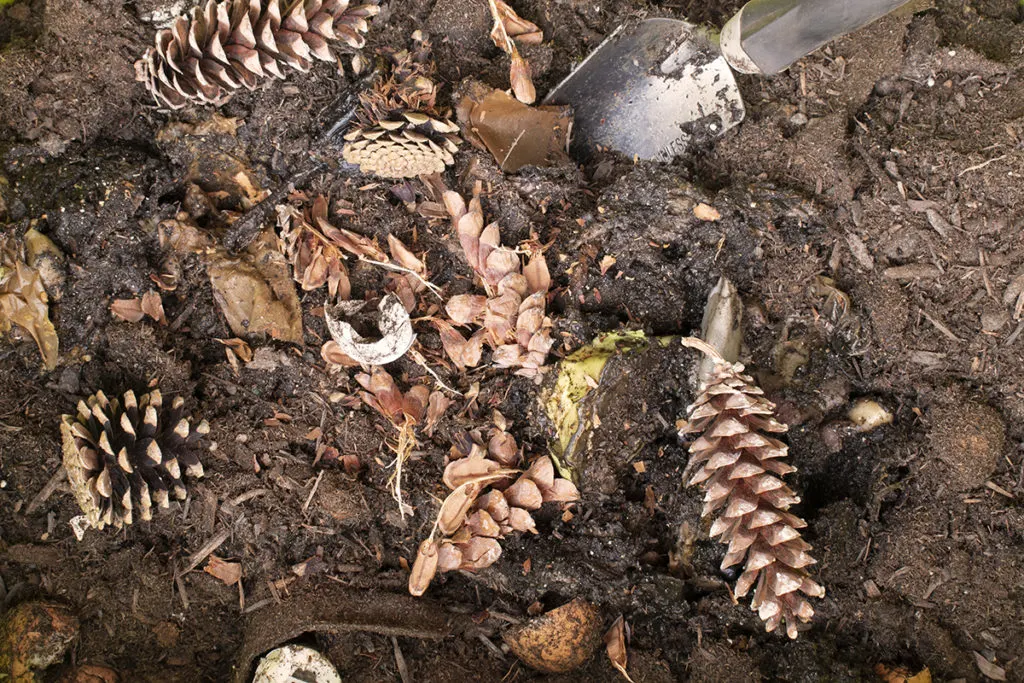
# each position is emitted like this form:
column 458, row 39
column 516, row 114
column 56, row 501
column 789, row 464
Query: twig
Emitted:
column 207, row 549
column 403, row 669
column 401, row 269
column 316, row 485
column 422, row 362
column 47, row 490
column 509, row 153
column 180, row 583
column 981, row 165
column 406, row 442
column 941, row 328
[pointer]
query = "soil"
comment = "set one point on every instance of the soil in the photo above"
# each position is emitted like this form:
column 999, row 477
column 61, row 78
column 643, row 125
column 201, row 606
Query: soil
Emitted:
column 891, row 161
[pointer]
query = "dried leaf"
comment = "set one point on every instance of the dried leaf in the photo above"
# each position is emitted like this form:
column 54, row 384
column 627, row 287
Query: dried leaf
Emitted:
column 23, row 302
column 607, row 261
column 153, row 306
column 521, row 79
column 515, row 134
column 404, row 257
column 424, row 567
column 229, row 573
column 129, row 310
column 255, row 292
column 514, row 26
column 395, row 327
column 239, row 347
column 706, row 212
column 615, row 646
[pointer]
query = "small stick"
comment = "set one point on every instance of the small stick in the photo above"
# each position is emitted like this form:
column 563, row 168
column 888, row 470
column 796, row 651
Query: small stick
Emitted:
column 981, row 165
column 204, row 552
column 391, row 266
column 48, row 489
column 316, row 485
column 422, row 362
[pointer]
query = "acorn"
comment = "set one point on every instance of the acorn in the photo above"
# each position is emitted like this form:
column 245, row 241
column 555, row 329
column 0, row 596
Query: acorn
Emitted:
column 124, row 457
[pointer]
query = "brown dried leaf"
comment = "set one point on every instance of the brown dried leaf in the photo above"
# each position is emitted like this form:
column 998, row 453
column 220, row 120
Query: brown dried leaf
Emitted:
column 988, row 669
column 23, row 302
column 255, row 292
column 229, row 573
column 515, row 134
column 615, row 646
column 607, row 261
column 239, row 347
column 424, row 567
column 153, row 306
column 404, row 257
column 414, row 403
column 129, row 310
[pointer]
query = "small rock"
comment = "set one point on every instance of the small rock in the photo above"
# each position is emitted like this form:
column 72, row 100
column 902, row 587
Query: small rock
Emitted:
column 798, row 119
column 295, row 663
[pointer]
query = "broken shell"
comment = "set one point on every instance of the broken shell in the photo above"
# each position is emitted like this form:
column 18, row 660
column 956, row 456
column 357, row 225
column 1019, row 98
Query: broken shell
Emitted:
column 868, row 414
column 559, row 641
column 395, row 327
column 295, row 663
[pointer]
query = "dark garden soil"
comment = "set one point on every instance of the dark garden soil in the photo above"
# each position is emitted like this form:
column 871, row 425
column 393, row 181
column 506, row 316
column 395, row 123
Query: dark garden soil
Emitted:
column 891, row 162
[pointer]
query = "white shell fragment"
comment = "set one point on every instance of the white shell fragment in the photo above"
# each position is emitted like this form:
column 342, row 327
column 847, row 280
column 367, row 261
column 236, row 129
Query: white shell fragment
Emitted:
column 295, row 663
column 394, row 325
column 868, row 414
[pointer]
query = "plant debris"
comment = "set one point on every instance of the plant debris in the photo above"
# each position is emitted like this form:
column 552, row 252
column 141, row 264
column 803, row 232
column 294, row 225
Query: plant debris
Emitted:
column 740, row 469
column 490, row 498
column 615, row 641
column 124, row 456
column 24, row 302
column 135, row 309
column 511, row 316
column 515, row 134
column 228, row 573
column 316, row 260
column 509, row 27
column 400, row 132
column 223, row 46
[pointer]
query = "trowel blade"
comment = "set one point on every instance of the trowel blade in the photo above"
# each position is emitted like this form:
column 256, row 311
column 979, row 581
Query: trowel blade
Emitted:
column 650, row 90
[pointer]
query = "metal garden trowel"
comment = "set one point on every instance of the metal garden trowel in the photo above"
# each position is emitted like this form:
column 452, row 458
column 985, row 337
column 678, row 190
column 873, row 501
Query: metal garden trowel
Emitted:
column 654, row 88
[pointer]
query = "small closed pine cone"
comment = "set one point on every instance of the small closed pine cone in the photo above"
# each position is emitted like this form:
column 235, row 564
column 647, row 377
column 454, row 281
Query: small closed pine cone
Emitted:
column 399, row 132
column 741, row 469
column 124, row 456
column 226, row 45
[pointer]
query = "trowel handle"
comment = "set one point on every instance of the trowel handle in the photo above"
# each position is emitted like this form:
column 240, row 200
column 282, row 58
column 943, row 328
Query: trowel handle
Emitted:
column 766, row 36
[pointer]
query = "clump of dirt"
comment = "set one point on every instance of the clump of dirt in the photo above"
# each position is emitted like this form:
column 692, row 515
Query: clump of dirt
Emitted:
column 967, row 440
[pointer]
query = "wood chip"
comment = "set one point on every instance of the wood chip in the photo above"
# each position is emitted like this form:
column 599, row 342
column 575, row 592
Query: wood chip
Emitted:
column 988, row 669
column 229, row 573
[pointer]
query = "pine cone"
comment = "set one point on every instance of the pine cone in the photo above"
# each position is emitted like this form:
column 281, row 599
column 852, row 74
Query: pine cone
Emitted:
column 483, row 506
column 125, row 457
column 399, row 132
column 740, row 469
column 226, row 45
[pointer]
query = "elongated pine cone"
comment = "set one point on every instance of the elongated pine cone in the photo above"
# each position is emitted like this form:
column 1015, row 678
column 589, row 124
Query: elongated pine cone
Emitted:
column 399, row 132
column 223, row 46
column 122, row 457
column 740, row 469
column 489, row 499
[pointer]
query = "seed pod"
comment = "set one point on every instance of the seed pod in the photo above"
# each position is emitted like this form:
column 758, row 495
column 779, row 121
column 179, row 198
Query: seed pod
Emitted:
column 458, row 472
column 480, row 523
column 542, row 472
column 424, row 567
column 495, row 504
column 502, row 448
column 522, row 521
column 561, row 491
column 455, row 508
column 122, row 457
column 449, row 557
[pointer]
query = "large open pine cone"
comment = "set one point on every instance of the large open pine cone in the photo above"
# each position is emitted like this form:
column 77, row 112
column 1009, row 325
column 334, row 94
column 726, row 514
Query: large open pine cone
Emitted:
column 399, row 132
column 123, row 457
column 740, row 469
column 226, row 45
